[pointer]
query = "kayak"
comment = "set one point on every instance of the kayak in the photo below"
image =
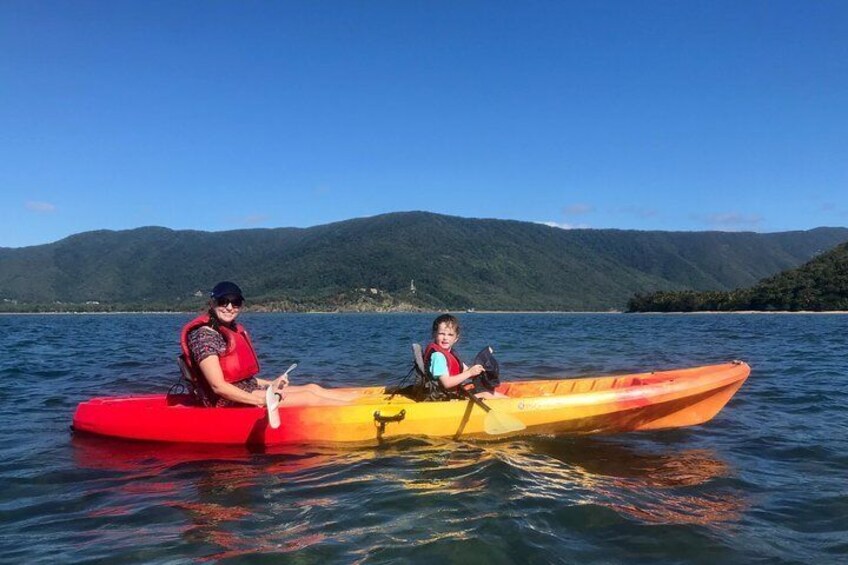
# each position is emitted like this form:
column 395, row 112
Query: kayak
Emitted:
column 593, row 405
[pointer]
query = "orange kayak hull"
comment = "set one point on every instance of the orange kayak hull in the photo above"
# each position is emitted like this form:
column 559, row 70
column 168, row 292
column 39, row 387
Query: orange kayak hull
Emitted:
column 603, row 405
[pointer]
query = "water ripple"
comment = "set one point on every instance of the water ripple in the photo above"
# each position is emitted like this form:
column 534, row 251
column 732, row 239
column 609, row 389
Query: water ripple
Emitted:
column 763, row 482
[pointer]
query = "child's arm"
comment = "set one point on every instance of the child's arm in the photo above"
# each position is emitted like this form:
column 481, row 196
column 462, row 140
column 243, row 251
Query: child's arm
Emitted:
column 450, row 381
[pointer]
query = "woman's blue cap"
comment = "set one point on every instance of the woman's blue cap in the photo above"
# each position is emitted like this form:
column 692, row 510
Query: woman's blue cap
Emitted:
column 226, row 288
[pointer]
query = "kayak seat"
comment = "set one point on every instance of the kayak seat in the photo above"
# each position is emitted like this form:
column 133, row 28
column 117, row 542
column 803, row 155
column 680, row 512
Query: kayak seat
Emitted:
column 184, row 369
column 418, row 358
column 412, row 391
column 425, row 388
column 193, row 388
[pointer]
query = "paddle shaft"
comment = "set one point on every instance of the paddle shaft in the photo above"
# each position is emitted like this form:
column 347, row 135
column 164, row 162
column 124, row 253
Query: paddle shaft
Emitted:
column 273, row 406
column 285, row 376
column 476, row 400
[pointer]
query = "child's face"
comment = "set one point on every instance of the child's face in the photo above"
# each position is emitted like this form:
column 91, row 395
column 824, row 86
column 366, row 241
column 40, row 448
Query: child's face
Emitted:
column 446, row 336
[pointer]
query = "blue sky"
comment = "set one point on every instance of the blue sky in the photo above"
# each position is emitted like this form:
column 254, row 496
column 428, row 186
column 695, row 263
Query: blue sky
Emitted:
column 216, row 115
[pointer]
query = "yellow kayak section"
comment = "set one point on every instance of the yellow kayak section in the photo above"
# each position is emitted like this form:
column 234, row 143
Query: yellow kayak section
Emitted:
column 589, row 405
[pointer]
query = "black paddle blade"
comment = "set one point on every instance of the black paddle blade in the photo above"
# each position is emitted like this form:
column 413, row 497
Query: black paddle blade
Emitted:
column 490, row 378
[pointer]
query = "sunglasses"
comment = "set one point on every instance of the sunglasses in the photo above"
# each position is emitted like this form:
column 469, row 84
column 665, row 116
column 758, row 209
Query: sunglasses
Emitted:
column 225, row 300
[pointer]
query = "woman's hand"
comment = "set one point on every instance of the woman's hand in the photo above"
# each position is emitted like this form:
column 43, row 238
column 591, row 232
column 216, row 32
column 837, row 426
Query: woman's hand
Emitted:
column 281, row 382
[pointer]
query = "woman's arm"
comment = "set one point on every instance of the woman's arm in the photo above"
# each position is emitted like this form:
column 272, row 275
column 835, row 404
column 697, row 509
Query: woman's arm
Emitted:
column 211, row 369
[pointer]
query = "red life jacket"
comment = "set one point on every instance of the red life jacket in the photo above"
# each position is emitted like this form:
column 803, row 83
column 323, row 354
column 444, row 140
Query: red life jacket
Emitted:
column 238, row 362
column 454, row 364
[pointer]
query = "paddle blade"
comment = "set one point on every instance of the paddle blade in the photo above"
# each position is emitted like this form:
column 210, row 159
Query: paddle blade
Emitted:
column 496, row 423
column 489, row 379
column 272, row 403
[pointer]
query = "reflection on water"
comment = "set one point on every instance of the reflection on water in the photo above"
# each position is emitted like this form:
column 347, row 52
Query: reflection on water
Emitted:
column 645, row 485
column 210, row 525
column 96, row 452
column 655, row 497
column 235, row 502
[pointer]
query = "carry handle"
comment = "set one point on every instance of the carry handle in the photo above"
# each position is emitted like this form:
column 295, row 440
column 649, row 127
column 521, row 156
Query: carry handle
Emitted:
column 380, row 421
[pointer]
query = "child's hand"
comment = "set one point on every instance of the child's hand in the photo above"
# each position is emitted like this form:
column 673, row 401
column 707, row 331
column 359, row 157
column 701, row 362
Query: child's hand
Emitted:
column 476, row 370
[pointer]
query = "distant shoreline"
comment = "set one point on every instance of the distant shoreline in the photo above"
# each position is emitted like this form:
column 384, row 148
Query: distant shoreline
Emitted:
column 764, row 312
column 459, row 312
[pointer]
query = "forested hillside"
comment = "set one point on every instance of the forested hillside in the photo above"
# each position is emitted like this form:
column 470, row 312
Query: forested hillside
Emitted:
column 374, row 263
column 819, row 285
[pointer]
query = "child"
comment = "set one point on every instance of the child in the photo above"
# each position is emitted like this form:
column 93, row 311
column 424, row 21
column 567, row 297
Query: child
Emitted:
column 442, row 362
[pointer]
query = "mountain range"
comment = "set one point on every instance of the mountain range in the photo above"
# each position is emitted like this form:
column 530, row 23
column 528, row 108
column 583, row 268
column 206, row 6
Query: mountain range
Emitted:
column 397, row 261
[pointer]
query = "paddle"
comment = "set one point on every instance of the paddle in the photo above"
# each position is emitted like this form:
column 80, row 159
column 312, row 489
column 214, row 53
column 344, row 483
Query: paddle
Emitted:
column 489, row 379
column 495, row 423
column 284, row 378
column 273, row 398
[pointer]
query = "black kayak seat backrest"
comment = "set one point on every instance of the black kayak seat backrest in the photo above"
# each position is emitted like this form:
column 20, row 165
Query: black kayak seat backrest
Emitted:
column 181, row 363
column 418, row 356
column 199, row 391
column 187, row 377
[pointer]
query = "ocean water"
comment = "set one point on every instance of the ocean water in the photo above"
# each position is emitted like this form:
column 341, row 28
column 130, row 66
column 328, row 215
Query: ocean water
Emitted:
column 765, row 481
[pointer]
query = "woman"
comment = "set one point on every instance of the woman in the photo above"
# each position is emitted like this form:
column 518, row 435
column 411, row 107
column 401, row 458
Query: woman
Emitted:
column 223, row 363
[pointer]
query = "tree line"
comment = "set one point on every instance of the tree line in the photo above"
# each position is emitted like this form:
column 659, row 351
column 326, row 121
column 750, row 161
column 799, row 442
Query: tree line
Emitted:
column 819, row 285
